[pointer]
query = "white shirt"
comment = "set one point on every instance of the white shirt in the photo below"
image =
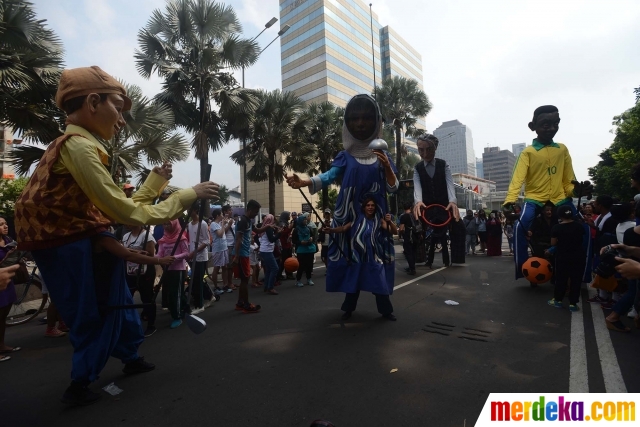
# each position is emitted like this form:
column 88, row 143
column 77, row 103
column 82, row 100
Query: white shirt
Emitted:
column 231, row 238
column 622, row 227
column 431, row 169
column 131, row 242
column 203, row 255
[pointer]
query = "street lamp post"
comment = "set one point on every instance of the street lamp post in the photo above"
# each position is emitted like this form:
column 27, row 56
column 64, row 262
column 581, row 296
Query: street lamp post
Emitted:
column 244, row 142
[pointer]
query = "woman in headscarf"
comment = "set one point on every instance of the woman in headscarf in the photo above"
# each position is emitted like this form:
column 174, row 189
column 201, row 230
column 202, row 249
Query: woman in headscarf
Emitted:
column 267, row 244
column 305, row 249
column 173, row 296
column 494, row 233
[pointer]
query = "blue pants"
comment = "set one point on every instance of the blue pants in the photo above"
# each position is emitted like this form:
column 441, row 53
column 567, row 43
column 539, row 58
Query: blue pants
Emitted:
column 270, row 269
column 83, row 285
column 529, row 212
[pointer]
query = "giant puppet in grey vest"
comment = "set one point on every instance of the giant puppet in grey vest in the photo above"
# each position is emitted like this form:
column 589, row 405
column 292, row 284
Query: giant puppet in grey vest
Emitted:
column 433, row 185
column 362, row 258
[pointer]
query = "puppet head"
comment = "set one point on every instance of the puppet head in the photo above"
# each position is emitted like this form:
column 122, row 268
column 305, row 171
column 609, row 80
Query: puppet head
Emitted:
column 362, row 124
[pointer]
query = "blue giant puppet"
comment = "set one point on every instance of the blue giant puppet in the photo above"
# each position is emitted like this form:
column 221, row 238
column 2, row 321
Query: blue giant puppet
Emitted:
column 361, row 254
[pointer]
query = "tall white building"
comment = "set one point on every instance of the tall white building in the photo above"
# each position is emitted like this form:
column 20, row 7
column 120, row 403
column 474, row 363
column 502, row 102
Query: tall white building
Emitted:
column 456, row 147
column 6, row 146
column 516, row 149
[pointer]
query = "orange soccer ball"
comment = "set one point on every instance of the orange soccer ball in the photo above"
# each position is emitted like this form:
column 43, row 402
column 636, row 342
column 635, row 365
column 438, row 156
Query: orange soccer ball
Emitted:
column 291, row 265
column 537, row 270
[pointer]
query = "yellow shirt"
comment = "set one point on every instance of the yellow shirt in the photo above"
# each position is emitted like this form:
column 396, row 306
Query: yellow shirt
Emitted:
column 85, row 159
column 546, row 172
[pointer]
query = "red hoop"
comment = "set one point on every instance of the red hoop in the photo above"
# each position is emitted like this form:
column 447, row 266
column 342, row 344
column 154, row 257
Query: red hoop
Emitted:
column 424, row 218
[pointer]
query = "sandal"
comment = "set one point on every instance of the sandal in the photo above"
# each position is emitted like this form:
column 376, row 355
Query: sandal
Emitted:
column 4, row 358
column 13, row 350
column 256, row 285
column 272, row 292
column 617, row 326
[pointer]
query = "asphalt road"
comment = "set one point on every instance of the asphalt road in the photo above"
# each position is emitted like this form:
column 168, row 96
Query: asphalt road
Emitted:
column 296, row 361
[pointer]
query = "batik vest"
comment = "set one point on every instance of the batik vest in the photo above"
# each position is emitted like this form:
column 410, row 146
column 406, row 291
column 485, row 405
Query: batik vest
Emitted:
column 53, row 210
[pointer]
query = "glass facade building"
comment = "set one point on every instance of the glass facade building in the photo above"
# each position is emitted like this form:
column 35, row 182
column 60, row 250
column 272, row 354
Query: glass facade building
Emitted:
column 327, row 55
column 456, row 147
column 498, row 166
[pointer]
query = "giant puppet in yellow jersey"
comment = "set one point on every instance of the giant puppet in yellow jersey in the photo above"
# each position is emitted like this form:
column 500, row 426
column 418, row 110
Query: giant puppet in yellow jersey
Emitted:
column 546, row 171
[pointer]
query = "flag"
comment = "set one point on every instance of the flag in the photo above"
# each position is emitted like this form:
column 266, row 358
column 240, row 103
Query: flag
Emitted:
column 476, row 189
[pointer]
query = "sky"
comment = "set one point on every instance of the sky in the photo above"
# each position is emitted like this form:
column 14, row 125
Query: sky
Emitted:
column 487, row 63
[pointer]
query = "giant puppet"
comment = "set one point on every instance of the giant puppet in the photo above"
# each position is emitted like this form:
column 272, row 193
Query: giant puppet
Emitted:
column 361, row 254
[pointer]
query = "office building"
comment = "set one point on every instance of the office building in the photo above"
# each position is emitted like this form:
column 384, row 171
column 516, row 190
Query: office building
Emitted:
column 326, row 55
column 518, row 148
column 473, row 183
column 456, row 147
column 6, row 146
column 479, row 168
column 498, row 166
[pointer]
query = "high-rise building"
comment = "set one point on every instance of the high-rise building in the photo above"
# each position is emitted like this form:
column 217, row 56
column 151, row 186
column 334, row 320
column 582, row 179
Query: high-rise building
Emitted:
column 456, row 147
column 518, row 148
column 6, row 146
column 498, row 166
column 326, row 55
column 479, row 168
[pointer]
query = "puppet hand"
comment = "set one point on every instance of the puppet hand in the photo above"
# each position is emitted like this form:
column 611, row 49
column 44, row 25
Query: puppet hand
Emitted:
column 581, row 189
column 417, row 209
column 294, row 181
column 206, row 190
column 165, row 171
column 382, row 157
column 454, row 210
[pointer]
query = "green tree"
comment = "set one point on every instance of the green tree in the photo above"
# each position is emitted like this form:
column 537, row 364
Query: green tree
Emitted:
column 223, row 195
column 324, row 135
column 276, row 131
column 10, row 190
column 402, row 102
column 332, row 198
column 194, row 45
column 30, row 67
column 611, row 174
column 410, row 161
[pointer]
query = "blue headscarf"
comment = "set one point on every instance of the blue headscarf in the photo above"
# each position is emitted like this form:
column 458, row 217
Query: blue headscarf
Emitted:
column 303, row 231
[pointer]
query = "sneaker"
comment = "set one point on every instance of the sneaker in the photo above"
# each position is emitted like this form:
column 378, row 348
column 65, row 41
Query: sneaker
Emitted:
column 227, row 289
column 198, row 310
column 150, row 331
column 596, row 298
column 633, row 313
column 299, row 284
column 574, row 307
column 79, row 395
column 175, row 323
column 251, row 308
column 63, row 326
column 310, row 282
column 54, row 332
column 138, row 366
column 553, row 303
column 218, row 291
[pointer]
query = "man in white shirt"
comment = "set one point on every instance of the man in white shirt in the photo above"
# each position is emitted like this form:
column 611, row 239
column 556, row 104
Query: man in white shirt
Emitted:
column 198, row 248
column 227, row 272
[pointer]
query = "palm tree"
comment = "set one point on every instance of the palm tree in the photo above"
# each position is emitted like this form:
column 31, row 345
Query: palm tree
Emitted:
column 146, row 138
column 276, row 131
column 402, row 102
column 324, row 133
column 30, row 67
column 410, row 161
column 193, row 46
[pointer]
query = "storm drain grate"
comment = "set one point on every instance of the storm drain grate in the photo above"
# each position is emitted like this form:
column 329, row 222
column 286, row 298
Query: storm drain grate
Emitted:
column 469, row 334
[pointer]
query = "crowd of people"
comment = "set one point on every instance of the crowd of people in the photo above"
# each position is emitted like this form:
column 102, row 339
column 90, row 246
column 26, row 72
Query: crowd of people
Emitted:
column 92, row 269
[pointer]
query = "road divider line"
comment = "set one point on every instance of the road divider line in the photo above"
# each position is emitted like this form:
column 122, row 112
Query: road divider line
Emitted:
column 613, row 381
column 578, row 372
column 402, row 285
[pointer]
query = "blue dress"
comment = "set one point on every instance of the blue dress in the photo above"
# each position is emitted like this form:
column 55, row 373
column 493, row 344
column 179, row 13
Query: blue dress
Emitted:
column 366, row 259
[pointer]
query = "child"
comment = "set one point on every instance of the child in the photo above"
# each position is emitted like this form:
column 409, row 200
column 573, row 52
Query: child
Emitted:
column 219, row 252
column 546, row 171
column 570, row 257
column 173, row 290
column 242, row 253
column 70, row 198
column 254, row 261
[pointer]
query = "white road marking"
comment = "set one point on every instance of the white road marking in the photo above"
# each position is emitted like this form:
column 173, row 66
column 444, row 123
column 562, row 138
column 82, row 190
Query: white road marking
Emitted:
column 401, row 285
column 613, row 381
column 315, row 268
column 578, row 372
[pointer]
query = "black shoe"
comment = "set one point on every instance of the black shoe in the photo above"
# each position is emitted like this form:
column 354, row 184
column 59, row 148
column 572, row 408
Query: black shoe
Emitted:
column 407, row 269
column 150, row 331
column 426, row 264
column 411, row 272
column 446, row 264
column 346, row 315
column 390, row 316
column 138, row 366
column 79, row 395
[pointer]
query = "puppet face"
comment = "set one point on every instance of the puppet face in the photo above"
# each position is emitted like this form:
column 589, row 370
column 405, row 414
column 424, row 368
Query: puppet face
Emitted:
column 546, row 126
column 427, row 150
column 362, row 118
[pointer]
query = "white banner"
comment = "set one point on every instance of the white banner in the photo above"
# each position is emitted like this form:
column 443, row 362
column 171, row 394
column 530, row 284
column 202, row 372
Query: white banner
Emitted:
column 578, row 408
